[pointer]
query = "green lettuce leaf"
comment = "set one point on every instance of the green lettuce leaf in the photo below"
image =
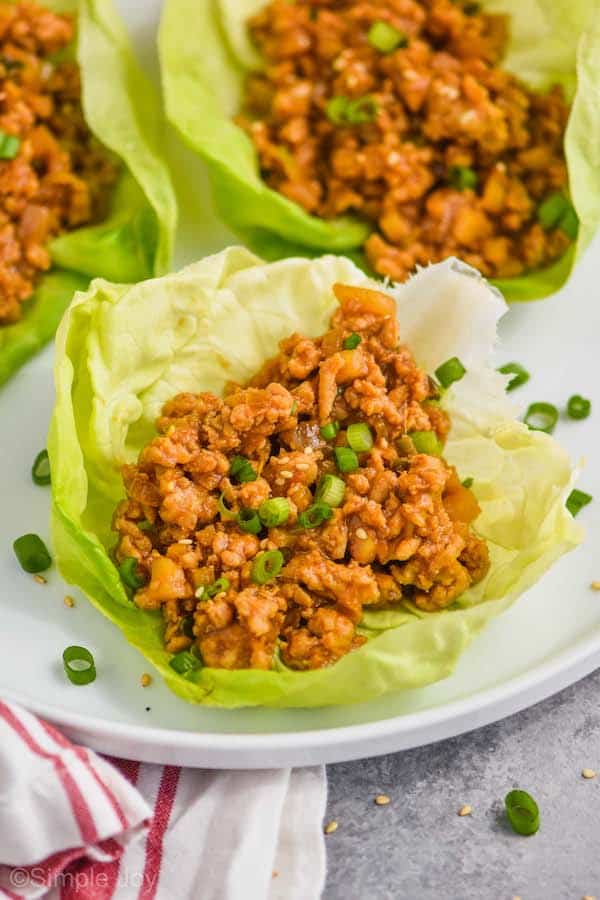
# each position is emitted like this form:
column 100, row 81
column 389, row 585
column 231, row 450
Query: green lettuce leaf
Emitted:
column 203, row 71
column 135, row 241
column 122, row 351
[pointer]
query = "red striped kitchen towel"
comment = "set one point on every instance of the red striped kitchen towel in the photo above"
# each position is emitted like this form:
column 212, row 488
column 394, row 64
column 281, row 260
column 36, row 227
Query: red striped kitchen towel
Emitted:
column 76, row 826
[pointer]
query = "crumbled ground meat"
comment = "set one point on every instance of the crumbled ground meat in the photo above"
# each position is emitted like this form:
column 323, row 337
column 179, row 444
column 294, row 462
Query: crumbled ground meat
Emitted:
column 400, row 531
column 440, row 105
column 54, row 177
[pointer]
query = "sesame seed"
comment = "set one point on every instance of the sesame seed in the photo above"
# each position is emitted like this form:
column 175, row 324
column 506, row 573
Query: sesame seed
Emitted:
column 595, row 585
column 146, row 680
column 285, row 473
column 185, row 541
column 331, row 827
column 69, row 601
column 362, row 534
column 40, row 579
column 588, row 773
column 382, row 800
column 465, row 810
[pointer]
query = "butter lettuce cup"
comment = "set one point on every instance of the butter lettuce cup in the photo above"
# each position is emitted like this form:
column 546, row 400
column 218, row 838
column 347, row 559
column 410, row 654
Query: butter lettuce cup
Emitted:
column 398, row 137
column 88, row 191
column 170, row 349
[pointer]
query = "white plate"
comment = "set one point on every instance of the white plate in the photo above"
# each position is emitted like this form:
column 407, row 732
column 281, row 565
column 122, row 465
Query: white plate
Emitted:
column 548, row 640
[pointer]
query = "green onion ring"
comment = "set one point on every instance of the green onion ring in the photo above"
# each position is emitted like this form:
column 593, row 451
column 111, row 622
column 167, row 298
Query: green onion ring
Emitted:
column 315, row 515
column 249, row 521
column 577, row 500
column 184, row 663
column 242, row 470
column 329, row 431
column 352, row 341
column 217, row 587
column 32, row 553
column 426, row 442
column 450, row 371
column 522, row 812
column 541, row 417
column 128, row 570
column 227, row 514
column 274, row 512
column 331, row 490
column 578, row 407
column 346, row 459
column 521, row 375
column 359, row 437
column 40, row 470
column 79, row 674
column 267, row 566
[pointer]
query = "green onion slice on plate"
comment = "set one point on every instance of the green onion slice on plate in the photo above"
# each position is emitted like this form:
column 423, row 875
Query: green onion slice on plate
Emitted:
column 578, row 407
column 79, row 665
column 32, row 553
column 520, row 375
column 577, row 500
column 40, row 470
column 522, row 812
column 541, row 417
column 330, row 430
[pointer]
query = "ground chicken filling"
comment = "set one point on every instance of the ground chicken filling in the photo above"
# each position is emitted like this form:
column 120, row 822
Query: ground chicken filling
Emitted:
column 397, row 110
column 345, row 529
column 53, row 172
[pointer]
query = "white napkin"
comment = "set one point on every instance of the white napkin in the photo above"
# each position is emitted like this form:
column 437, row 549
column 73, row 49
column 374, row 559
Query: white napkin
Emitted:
column 73, row 825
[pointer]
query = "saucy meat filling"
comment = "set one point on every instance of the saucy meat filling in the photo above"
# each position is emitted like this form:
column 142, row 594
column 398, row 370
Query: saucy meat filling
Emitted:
column 269, row 519
column 398, row 111
column 53, row 172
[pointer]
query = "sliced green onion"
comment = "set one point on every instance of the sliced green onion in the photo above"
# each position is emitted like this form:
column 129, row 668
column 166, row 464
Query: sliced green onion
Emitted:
column 267, row 566
column 346, row 459
column 522, row 812
column 463, row 178
column 274, row 512
column 569, row 223
column 40, row 471
column 426, row 442
column 9, row 145
column 330, row 430
column 468, row 483
column 217, row 587
column 385, row 38
column 335, row 110
column 32, row 553
column 361, row 110
column 578, row 407
column 225, row 512
column 541, row 417
column 521, row 375
column 187, row 626
column 450, row 371
column 359, row 437
column 352, row 341
column 128, row 570
column 294, row 408
column 241, row 469
column 331, row 490
column 577, row 500
column 315, row 515
column 184, row 663
column 248, row 520
column 79, row 665
column 551, row 210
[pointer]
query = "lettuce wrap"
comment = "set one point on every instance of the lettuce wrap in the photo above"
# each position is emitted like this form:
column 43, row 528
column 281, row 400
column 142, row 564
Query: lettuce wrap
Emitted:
column 122, row 351
column 203, row 72
column 135, row 240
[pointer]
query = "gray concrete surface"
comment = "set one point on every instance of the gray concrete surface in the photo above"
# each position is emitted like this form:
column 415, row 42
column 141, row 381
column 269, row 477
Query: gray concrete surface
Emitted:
column 418, row 848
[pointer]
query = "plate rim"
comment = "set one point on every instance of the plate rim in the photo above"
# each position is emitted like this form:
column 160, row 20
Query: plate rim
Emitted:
column 544, row 680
